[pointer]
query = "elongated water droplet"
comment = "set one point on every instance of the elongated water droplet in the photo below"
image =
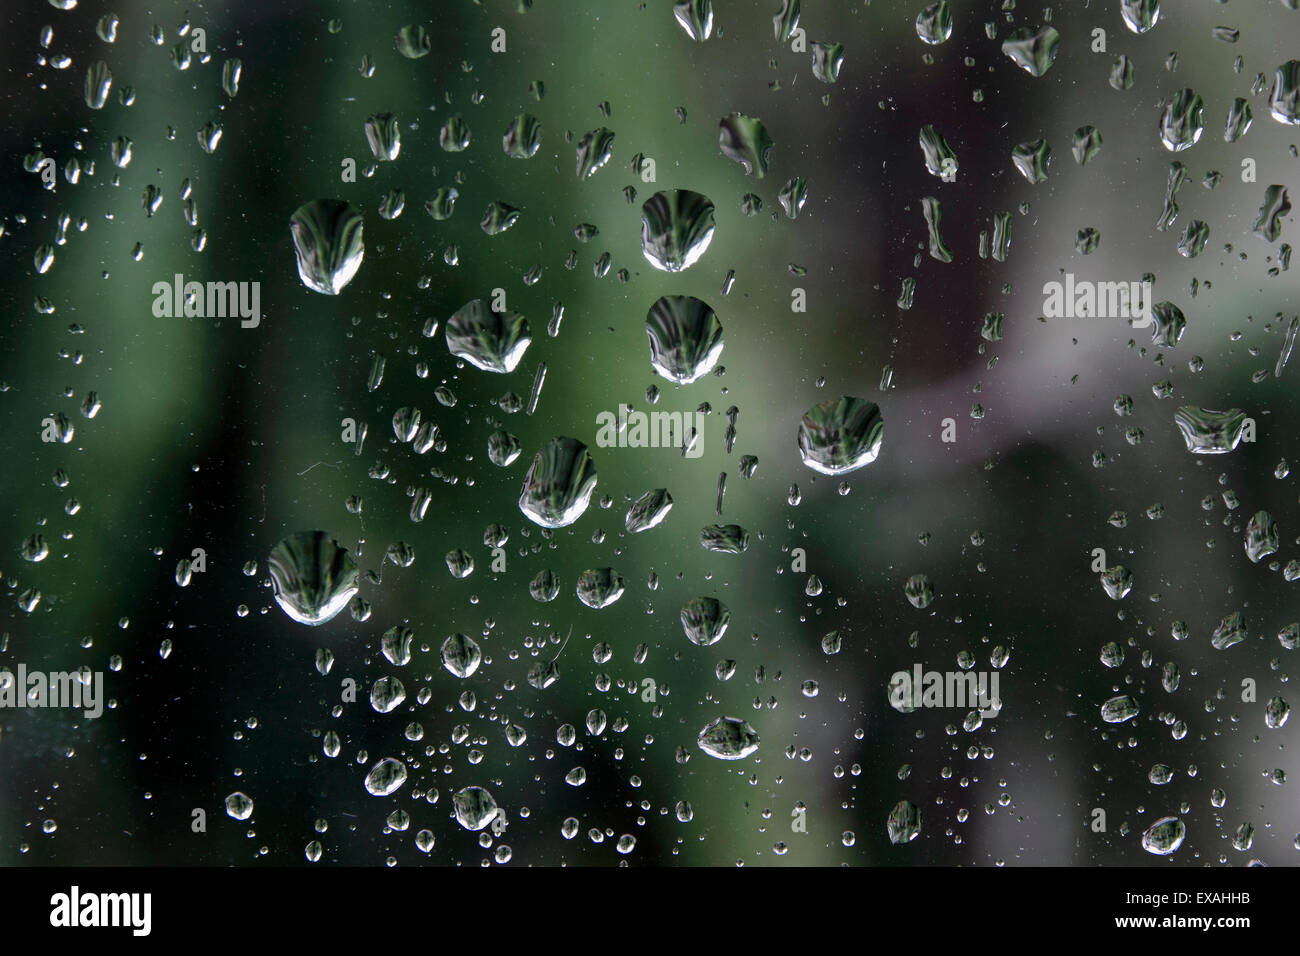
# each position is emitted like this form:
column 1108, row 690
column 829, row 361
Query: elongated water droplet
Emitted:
column 745, row 140
column 1284, row 100
column 99, row 81
column 384, row 136
column 904, row 823
column 1182, row 121
column 327, row 239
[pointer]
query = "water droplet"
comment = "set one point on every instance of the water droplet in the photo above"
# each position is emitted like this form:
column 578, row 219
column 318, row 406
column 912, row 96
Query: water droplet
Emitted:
column 648, row 511
column 1164, row 836
column 475, row 808
column 559, row 483
column 728, row 738
column 685, row 338
column 1182, row 122
column 599, row 587
column 745, row 140
column 488, row 340
column 1119, row 709
column 1033, row 52
column 904, row 823
column 239, row 806
column 1209, row 432
column 461, row 655
column 385, row 777
column 705, row 620
column 840, row 435
column 676, row 229
column 314, row 577
column 327, row 238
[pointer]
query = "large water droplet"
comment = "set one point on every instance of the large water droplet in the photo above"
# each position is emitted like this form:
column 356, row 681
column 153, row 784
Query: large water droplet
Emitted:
column 744, row 139
column 475, row 808
column 488, row 340
column 676, row 228
column 1140, row 15
column 327, row 238
column 904, row 823
column 1183, row 121
column 559, row 483
column 461, row 655
column 648, row 510
column 600, row 587
column 385, row 777
column 840, row 435
column 1284, row 100
column 728, row 738
column 1033, row 52
column 1164, row 836
column 1207, row 432
column 314, row 577
column 685, row 338
column 705, row 620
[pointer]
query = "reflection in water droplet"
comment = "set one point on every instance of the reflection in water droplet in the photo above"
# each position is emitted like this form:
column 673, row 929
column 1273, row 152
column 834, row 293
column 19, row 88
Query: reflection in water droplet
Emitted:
column 648, row 511
column 475, row 808
column 1140, row 15
column 728, row 738
column 327, row 239
column 1208, row 432
column 934, row 23
column 745, row 140
column 461, row 655
column 840, row 435
column 1284, row 100
column 594, row 151
column 314, row 578
column 1119, row 709
column 600, row 587
column 705, row 620
column 99, row 81
column 523, row 138
column 559, row 483
column 904, row 823
column 1183, row 121
column 724, row 538
column 685, row 338
column 488, row 340
column 384, row 136
column 1033, row 52
column 385, row 777
column 1164, row 836
column 239, row 806
column 676, row 229
column 695, row 17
